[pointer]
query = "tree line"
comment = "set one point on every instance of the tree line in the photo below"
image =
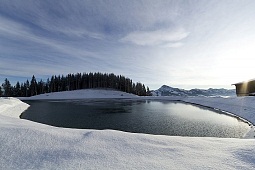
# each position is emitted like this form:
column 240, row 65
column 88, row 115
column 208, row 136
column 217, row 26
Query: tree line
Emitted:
column 73, row 82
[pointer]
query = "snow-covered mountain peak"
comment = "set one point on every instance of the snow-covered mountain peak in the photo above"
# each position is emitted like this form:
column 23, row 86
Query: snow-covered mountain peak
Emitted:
column 171, row 91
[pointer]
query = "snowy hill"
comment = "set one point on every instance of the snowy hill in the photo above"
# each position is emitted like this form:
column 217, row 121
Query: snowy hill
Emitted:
column 170, row 91
column 82, row 94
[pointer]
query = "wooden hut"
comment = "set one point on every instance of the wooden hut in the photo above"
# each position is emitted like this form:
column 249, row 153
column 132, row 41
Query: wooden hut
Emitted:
column 246, row 88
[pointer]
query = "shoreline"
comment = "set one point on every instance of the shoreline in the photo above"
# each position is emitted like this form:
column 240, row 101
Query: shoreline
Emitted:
column 250, row 134
column 30, row 145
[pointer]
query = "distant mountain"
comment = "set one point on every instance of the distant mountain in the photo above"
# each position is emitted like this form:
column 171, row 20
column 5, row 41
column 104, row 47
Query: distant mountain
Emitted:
column 170, row 91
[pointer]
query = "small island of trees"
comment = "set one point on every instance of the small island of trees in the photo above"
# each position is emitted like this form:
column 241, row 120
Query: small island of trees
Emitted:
column 73, row 82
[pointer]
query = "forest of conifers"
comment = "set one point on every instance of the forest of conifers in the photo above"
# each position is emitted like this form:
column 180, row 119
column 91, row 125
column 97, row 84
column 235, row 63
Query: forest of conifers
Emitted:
column 73, row 82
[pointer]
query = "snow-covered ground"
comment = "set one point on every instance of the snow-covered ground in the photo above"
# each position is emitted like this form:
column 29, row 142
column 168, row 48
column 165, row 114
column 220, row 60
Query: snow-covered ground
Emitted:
column 12, row 107
column 30, row 145
column 82, row 94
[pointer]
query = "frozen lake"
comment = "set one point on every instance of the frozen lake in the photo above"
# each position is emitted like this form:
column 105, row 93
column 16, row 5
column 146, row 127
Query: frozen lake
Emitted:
column 138, row 116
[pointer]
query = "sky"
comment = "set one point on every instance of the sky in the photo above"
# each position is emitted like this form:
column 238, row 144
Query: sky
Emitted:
column 185, row 44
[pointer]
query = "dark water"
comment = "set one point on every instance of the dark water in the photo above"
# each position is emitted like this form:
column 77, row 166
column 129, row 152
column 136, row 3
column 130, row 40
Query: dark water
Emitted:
column 151, row 117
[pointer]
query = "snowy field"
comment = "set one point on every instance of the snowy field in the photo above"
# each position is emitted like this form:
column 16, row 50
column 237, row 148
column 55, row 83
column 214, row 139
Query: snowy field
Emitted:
column 29, row 145
column 82, row 94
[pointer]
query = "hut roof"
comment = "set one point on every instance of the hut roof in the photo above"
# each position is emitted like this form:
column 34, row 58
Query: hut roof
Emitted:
column 244, row 82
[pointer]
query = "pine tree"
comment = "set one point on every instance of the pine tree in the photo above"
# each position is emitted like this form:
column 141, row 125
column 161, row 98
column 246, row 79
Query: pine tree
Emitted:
column 27, row 87
column 52, row 85
column 47, row 86
column 17, row 90
column 22, row 90
column 33, row 86
column 74, row 82
column 40, row 87
column 7, row 88
column 148, row 92
column 1, row 92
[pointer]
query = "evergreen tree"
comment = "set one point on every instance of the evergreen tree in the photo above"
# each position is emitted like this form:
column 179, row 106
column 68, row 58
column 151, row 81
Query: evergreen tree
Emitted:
column 47, row 86
column 33, row 86
column 75, row 82
column 52, row 85
column 40, row 87
column 7, row 88
column 148, row 92
column 1, row 92
column 17, row 90
column 27, row 88
column 22, row 90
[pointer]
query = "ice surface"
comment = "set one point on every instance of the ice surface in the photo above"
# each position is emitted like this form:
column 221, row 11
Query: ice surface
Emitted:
column 30, row 145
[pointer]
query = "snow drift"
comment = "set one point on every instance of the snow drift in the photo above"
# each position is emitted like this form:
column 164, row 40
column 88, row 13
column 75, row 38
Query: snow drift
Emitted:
column 12, row 107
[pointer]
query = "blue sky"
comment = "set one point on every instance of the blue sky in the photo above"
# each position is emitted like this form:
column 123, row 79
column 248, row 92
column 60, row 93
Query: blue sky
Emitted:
column 186, row 44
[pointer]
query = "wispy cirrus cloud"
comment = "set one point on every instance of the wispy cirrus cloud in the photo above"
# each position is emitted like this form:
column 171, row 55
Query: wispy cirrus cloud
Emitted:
column 165, row 37
column 51, row 37
column 173, row 45
column 44, row 55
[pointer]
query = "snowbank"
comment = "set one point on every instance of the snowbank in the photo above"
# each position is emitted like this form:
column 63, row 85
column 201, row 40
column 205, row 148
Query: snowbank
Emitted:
column 12, row 107
column 30, row 145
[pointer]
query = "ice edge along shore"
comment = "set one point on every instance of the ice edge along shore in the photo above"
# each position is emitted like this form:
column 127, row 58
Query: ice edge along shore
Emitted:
column 240, row 108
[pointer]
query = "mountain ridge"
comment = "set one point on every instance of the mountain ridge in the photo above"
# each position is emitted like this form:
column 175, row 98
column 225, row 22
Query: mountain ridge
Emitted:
column 165, row 90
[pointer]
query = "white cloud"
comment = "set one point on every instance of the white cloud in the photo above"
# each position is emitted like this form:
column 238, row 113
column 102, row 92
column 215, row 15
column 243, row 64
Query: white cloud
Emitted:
column 47, row 52
column 80, row 33
column 20, row 32
column 158, row 37
column 122, row 36
column 173, row 45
